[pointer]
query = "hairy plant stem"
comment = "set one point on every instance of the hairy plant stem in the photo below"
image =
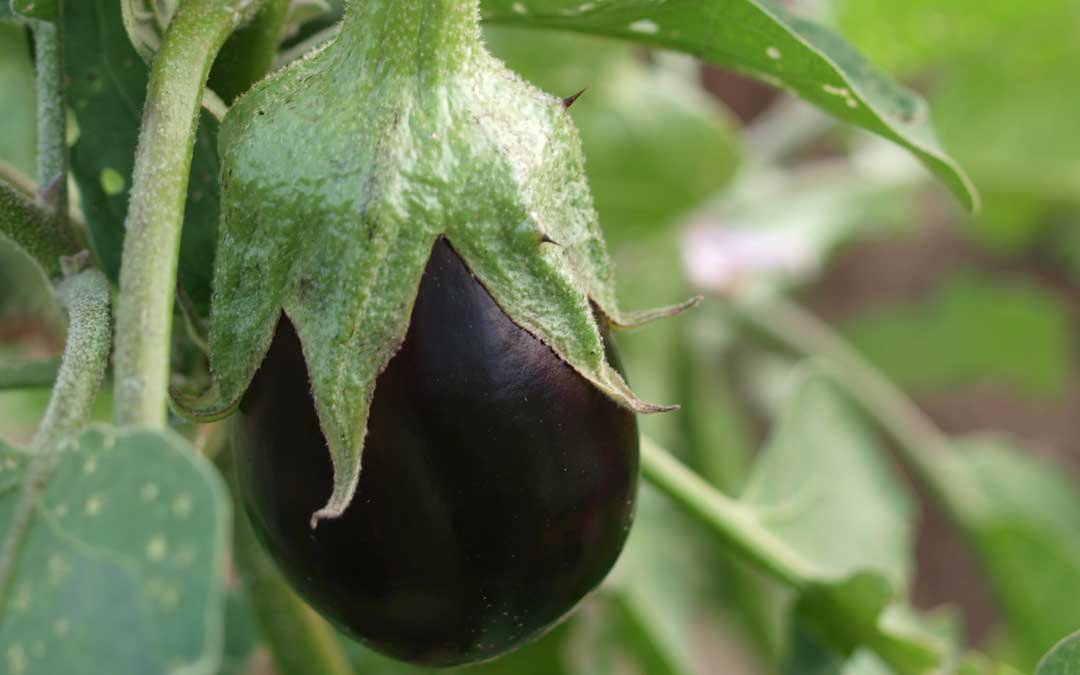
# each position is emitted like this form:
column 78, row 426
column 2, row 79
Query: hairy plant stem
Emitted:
column 731, row 520
column 156, row 212
column 86, row 297
column 924, row 448
column 82, row 368
column 52, row 148
column 33, row 229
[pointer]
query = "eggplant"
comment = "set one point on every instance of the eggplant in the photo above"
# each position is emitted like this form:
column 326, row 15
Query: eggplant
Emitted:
column 497, row 484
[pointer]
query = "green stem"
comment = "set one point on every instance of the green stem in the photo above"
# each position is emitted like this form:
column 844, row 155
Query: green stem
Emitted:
column 52, row 148
column 300, row 640
column 86, row 297
column 733, row 521
column 159, row 190
column 86, row 353
column 924, row 448
column 33, row 229
column 39, row 374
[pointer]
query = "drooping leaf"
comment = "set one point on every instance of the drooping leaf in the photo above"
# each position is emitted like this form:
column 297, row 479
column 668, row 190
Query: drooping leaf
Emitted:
column 107, row 87
column 976, row 50
column 1063, row 659
column 761, row 39
column 118, row 545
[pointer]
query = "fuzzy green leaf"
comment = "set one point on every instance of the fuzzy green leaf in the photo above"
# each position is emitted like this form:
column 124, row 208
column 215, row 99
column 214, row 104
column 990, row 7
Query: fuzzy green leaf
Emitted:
column 856, row 533
column 113, row 553
column 763, row 40
column 342, row 170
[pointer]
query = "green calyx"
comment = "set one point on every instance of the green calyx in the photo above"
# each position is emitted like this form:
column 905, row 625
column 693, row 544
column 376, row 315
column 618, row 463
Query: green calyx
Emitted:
column 340, row 172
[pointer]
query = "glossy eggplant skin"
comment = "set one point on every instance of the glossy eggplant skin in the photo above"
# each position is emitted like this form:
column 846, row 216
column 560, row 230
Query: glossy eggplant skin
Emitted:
column 497, row 489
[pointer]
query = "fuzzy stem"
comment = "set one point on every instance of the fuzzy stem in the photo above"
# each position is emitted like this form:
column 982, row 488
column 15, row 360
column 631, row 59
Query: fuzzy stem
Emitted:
column 86, row 353
column 430, row 37
column 52, row 148
column 33, row 229
column 731, row 520
column 86, row 297
column 159, row 190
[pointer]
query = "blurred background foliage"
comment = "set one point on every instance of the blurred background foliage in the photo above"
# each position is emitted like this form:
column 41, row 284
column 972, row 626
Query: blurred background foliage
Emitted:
column 706, row 181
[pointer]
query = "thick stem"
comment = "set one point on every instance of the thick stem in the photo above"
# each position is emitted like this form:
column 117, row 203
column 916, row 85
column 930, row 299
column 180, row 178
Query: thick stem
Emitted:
column 33, row 229
column 52, row 148
column 86, row 353
column 734, row 522
column 159, row 189
column 429, row 37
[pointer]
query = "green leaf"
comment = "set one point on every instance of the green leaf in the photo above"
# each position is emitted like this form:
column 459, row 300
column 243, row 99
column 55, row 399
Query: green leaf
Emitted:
column 1063, row 659
column 117, row 546
column 843, row 527
column 145, row 22
column 973, row 51
column 107, row 87
column 18, row 126
column 1025, row 342
column 656, row 146
column 761, row 39
column 1024, row 519
column 44, row 10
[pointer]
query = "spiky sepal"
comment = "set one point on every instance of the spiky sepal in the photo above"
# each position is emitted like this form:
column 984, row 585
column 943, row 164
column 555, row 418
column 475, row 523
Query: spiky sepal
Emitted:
column 339, row 174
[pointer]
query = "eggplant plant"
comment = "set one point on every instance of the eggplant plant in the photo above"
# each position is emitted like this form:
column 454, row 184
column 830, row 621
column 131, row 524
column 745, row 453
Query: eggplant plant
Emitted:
column 365, row 390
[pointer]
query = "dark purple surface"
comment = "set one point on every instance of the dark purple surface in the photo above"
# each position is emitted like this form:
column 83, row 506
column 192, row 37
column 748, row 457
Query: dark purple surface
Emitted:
column 497, row 487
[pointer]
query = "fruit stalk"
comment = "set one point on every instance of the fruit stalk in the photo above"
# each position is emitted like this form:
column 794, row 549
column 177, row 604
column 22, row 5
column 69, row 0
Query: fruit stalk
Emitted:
column 159, row 190
column 436, row 35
